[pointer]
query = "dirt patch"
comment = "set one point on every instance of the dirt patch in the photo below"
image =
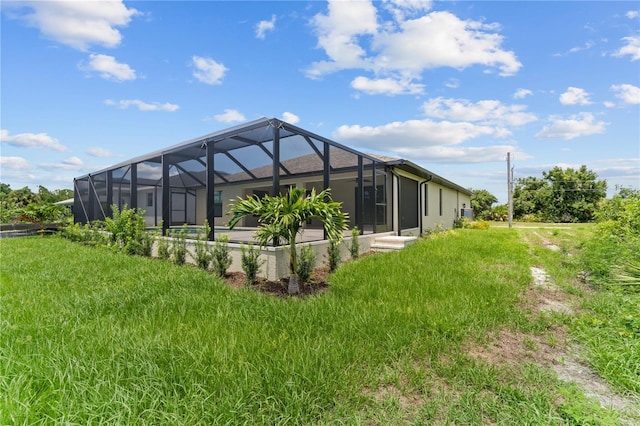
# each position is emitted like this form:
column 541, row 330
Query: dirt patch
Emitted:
column 545, row 296
column 317, row 284
column 551, row 349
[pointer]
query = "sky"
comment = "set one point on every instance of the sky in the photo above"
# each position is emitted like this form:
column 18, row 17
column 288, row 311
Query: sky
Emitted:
column 452, row 86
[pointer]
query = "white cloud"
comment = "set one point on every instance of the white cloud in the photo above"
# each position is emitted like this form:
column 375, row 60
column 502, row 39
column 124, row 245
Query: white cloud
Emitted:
column 632, row 14
column 413, row 134
column 109, row 68
column 263, row 26
column 582, row 124
column 629, row 93
column 14, row 163
column 522, row 93
column 143, row 106
column 632, row 47
column 608, row 104
column 338, row 33
column 99, row 152
column 386, row 86
column 207, row 70
column 32, row 140
column 452, row 83
column 461, row 154
column 575, row 96
column 290, row 117
column 353, row 38
column 71, row 163
column 78, row 24
column 489, row 112
column 229, row 116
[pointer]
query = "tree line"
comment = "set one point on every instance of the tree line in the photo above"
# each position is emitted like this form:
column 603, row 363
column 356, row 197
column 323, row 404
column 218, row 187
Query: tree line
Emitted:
column 25, row 205
column 560, row 195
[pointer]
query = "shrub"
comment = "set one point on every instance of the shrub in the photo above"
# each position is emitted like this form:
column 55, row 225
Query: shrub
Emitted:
column 221, row 255
column 202, row 253
column 128, row 231
column 478, row 224
column 306, row 263
column 354, row 247
column 251, row 263
column 333, row 253
column 179, row 246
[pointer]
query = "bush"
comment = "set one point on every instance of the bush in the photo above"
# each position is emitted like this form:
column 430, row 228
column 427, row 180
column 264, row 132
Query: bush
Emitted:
column 221, row 255
column 251, row 263
column 179, row 246
column 306, row 263
column 333, row 253
column 354, row 247
column 613, row 255
column 128, row 231
column 202, row 253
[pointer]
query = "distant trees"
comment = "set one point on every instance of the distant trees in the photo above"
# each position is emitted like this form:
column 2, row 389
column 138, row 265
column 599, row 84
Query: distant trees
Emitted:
column 481, row 202
column 562, row 195
column 24, row 203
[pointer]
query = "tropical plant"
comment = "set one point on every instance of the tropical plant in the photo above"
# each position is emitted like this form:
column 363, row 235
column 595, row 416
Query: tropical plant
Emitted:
column 282, row 217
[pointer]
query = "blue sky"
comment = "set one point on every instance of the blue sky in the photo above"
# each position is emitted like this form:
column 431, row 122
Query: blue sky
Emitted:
column 452, row 86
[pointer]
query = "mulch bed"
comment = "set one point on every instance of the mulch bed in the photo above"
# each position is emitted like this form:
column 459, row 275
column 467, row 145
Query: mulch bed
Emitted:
column 317, row 284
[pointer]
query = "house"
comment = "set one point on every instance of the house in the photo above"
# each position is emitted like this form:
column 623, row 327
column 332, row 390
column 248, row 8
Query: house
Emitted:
column 196, row 180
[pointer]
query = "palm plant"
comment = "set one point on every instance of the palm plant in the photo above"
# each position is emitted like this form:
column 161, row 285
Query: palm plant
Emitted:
column 282, row 217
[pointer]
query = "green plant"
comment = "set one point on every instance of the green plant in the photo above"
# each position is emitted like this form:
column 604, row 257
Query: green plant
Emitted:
column 306, row 263
column 202, row 253
column 221, row 255
column 41, row 214
column 128, row 231
column 251, row 263
column 354, row 246
column 282, row 218
column 179, row 245
column 333, row 253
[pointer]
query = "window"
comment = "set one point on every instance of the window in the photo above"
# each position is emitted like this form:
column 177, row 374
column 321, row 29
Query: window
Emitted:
column 150, row 199
column 426, row 199
column 440, row 197
column 217, row 204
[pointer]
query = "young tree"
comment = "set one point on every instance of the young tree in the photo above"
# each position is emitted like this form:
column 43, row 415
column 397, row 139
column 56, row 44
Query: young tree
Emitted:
column 282, row 217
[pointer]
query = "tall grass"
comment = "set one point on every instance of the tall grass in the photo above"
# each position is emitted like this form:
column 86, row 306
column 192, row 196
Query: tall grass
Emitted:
column 92, row 336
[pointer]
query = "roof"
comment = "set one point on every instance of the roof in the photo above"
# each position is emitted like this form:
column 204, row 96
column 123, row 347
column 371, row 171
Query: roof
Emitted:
column 259, row 132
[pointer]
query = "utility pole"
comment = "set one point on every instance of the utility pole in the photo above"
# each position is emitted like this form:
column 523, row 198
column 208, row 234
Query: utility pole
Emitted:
column 510, row 189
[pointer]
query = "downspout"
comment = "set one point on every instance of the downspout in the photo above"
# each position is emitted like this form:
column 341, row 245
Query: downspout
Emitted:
column 420, row 196
column 394, row 199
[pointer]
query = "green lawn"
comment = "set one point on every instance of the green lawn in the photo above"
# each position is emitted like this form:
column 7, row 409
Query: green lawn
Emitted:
column 89, row 336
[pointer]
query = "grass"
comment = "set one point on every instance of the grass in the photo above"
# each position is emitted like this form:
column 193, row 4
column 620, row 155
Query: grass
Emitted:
column 92, row 336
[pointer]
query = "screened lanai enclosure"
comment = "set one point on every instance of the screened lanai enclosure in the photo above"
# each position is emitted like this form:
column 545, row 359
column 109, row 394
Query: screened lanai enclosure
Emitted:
column 197, row 180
